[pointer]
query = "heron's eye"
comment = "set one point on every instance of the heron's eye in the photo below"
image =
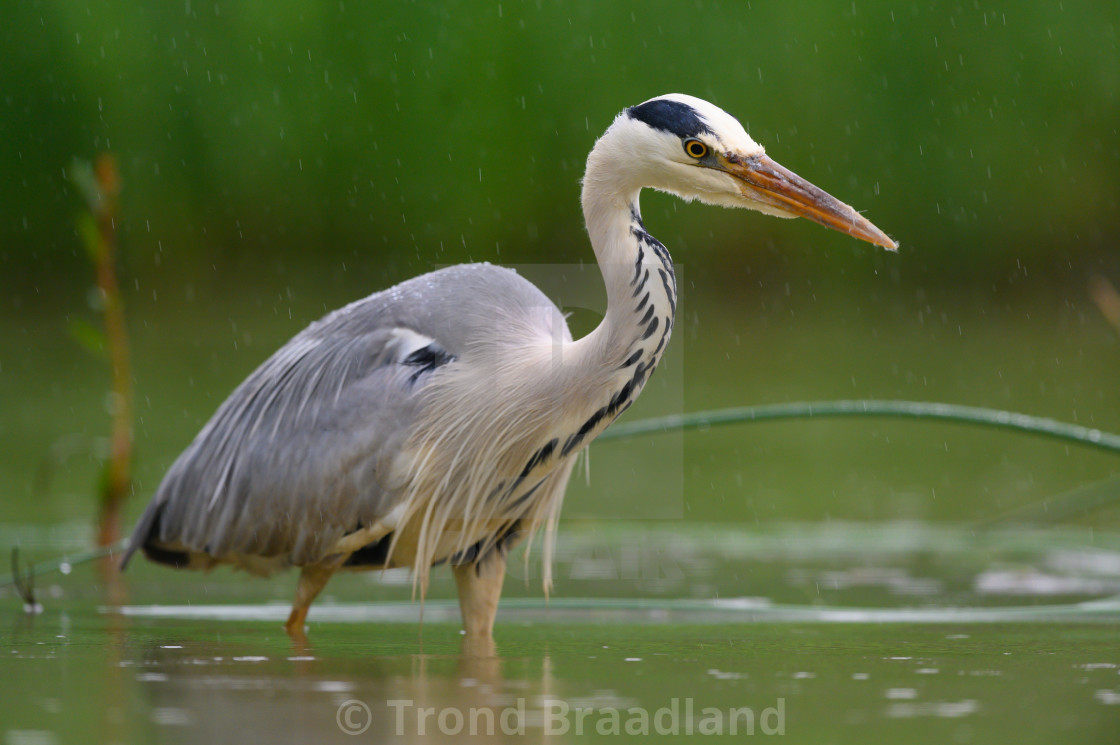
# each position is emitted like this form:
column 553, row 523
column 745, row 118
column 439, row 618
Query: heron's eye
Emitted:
column 695, row 148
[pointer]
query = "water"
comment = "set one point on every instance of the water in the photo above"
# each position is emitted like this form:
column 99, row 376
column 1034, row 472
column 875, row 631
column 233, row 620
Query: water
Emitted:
column 844, row 581
column 815, row 633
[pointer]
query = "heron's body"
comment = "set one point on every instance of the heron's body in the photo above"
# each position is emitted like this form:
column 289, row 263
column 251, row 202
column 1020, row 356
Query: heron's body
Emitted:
column 439, row 420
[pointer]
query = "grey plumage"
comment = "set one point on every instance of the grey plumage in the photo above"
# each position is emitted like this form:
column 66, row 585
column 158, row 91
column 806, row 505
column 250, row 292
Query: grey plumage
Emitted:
column 440, row 419
column 301, row 452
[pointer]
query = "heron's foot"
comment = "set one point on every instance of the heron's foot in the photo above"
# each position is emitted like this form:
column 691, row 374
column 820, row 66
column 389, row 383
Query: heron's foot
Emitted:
column 480, row 587
column 312, row 579
column 478, row 659
column 297, row 624
column 477, row 647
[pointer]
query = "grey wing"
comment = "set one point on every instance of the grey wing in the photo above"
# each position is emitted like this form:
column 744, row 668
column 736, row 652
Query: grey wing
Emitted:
column 298, row 455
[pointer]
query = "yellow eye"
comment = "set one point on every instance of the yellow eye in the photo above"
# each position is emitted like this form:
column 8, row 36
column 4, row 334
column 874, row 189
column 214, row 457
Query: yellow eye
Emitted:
column 695, row 148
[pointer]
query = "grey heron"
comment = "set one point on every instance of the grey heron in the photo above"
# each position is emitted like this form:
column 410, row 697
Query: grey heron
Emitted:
column 439, row 420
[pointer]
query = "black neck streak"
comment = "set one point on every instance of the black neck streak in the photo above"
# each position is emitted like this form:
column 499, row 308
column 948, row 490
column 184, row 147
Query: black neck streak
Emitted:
column 653, row 305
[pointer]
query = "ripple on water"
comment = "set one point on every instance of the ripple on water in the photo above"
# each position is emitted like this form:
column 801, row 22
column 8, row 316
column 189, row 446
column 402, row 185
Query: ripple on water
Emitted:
column 172, row 716
column 937, row 709
column 30, row 737
column 1107, row 696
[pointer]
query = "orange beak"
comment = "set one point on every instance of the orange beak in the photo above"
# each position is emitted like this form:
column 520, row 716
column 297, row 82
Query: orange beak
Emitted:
column 763, row 180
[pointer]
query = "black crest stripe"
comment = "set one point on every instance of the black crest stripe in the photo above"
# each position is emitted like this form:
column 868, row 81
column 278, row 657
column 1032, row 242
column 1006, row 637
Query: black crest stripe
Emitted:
column 673, row 117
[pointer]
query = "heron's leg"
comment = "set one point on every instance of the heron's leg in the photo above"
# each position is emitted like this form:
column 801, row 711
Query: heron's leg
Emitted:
column 480, row 586
column 312, row 579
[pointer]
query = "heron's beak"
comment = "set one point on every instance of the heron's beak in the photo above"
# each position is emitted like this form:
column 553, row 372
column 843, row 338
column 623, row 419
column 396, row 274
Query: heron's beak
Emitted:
column 763, row 180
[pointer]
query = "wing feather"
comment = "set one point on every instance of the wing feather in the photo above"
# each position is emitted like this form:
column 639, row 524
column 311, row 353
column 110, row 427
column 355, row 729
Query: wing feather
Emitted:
column 302, row 452
column 297, row 456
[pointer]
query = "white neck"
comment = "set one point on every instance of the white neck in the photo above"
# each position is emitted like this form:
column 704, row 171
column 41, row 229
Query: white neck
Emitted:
column 629, row 258
column 623, row 350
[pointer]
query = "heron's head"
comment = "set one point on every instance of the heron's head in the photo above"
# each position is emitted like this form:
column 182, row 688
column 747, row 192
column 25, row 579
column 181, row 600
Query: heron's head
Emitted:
column 689, row 147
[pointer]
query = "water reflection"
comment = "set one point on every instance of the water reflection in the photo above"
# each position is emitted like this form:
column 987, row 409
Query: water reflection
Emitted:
column 197, row 694
column 834, row 635
column 87, row 675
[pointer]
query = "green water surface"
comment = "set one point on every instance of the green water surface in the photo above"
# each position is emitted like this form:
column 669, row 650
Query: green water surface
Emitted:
column 853, row 581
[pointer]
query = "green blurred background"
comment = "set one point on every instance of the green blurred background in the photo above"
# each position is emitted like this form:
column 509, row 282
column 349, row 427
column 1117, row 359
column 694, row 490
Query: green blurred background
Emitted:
column 282, row 158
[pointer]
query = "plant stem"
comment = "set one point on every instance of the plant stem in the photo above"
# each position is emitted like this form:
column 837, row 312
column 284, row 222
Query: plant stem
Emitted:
column 118, row 468
column 955, row 413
